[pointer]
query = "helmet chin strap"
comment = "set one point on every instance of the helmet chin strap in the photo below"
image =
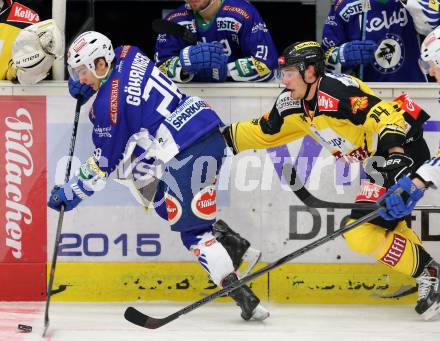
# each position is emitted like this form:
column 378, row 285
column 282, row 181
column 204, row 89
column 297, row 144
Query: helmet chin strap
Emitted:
column 309, row 85
column 211, row 2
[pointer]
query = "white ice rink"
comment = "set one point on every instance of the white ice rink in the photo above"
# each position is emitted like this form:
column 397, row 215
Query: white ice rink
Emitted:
column 218, row 321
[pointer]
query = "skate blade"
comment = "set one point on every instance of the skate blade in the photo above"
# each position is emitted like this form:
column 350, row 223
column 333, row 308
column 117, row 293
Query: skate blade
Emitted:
column 249, row 260
column 432, row 312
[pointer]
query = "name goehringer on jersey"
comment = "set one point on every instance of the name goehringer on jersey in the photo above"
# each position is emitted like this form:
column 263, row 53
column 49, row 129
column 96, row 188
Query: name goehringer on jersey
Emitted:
column 137, row 72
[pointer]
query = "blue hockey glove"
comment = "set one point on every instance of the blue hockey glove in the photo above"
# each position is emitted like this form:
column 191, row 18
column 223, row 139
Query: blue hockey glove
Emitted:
column 78, row 90
column 212, row 75
column 69, row 195
column 400, row 199
column 357, row 52
column 203, row 56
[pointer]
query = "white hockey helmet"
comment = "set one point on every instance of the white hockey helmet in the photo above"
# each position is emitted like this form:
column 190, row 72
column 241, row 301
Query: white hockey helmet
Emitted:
column 430, row 50
column 85, row 49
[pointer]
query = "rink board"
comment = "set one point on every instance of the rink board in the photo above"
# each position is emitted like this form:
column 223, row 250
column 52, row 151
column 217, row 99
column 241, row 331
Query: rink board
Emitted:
column 110, row 237
column 291, row 283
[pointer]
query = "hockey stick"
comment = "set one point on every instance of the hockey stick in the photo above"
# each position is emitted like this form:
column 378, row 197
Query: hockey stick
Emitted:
column 136, row 317
column 308, row 199
column 366, row 6
column 169, row 27
column 60, row 218
column 403, row 291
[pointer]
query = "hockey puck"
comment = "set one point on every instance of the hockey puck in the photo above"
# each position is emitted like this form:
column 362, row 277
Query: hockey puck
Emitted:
column 24, row 328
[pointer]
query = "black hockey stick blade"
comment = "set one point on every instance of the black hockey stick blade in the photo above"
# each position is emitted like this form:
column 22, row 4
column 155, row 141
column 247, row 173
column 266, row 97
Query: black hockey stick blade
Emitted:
column 403, row 291
column 135, row 316
column 169, row 27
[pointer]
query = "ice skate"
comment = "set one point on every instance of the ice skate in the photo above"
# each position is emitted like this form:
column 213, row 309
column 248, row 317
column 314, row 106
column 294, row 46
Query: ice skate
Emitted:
column 244, row 257
column 246, row 300
column 428, row 303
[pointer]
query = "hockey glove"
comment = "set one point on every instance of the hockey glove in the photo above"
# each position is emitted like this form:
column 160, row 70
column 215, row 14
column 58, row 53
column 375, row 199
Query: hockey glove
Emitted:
column 248, row 69
column 356, row 52
column 396, row 166
column 69, row 195
column 229, row 138
column 400, row 199
column 212, row 75
column 78, row 90
column 173, row 69
column 203, row 56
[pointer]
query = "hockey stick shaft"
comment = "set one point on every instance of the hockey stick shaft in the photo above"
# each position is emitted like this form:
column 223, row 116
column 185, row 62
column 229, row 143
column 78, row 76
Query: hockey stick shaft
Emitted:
column 308, row 199
column 365, row 7
column 179, row 31
column 140, row 319
column 60, row 217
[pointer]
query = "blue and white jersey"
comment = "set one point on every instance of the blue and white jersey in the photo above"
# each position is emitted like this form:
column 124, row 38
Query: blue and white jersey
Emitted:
column 139, row 111
column 430, row 170
column 389, row 25
column 237, row 26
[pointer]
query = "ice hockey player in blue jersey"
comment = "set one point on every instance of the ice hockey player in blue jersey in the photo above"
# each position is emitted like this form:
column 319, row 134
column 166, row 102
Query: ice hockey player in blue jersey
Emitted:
column 144, row 116
column 388, row 45
column 233, row 41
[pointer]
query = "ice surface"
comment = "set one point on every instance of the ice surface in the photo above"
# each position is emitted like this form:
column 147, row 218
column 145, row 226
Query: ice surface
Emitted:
column 218, row 321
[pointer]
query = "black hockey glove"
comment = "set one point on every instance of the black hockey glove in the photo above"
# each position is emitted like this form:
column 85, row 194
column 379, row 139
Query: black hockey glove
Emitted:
column 229, row 138
column 396, row 166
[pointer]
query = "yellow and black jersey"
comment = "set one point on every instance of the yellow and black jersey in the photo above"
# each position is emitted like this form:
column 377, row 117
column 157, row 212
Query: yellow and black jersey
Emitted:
column 12, row 20
column 345, row 116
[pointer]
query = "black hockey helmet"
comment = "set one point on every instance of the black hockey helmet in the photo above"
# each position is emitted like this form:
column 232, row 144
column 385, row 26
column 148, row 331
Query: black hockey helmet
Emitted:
column 301, row 55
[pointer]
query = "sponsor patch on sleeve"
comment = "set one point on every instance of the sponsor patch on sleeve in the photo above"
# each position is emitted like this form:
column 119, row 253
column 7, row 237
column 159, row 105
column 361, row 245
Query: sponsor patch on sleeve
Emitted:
column 114, row 101
column 370, row 192
column 358, row 103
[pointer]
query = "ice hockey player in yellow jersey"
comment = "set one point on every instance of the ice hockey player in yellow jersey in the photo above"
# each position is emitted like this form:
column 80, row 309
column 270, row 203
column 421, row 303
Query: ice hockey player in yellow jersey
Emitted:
column 341, row 108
